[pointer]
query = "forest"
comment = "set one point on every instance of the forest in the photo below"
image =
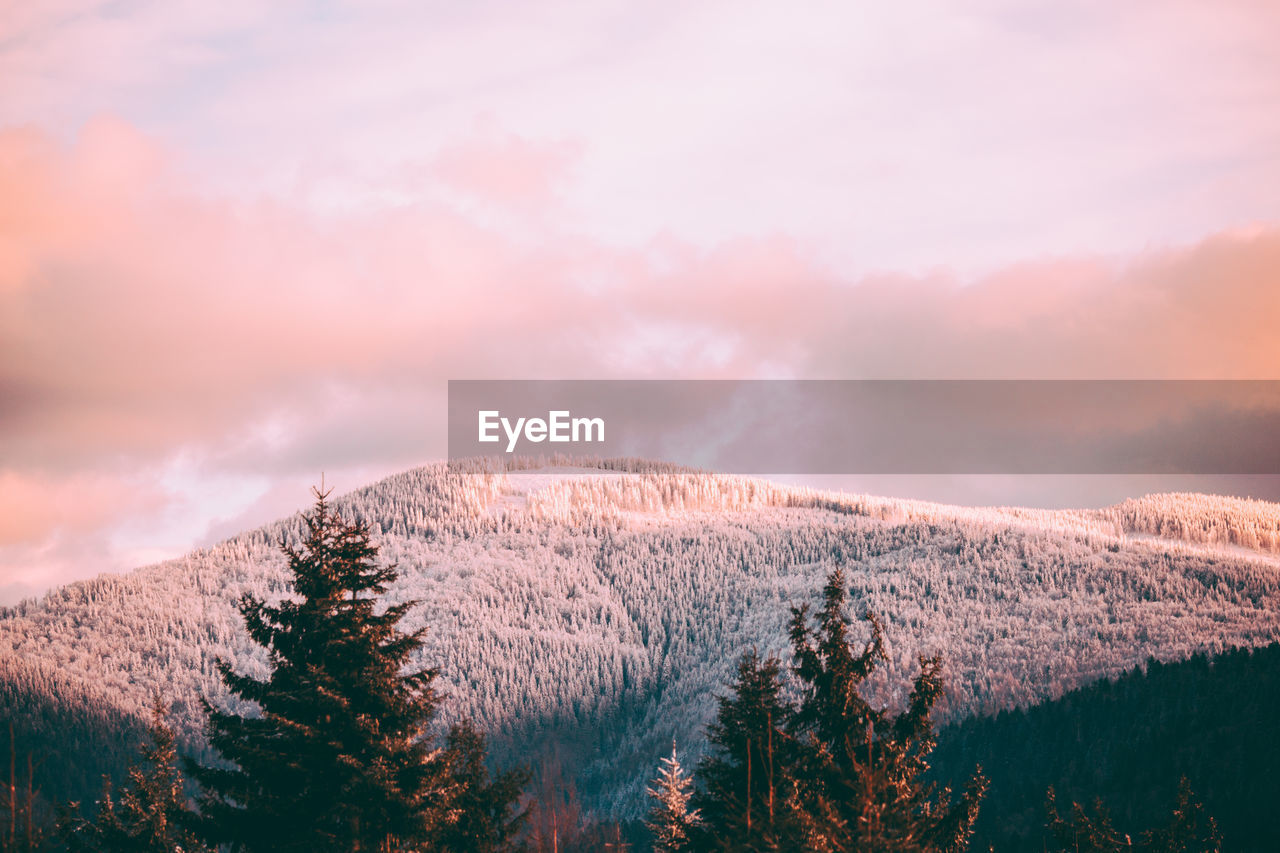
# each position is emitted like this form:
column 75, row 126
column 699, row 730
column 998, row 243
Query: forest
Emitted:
column 587, row 619
column 1128, row 741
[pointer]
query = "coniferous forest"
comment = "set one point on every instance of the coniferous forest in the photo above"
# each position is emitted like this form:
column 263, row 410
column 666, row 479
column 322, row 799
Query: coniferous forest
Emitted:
column 648, row 659
column 1129, row 742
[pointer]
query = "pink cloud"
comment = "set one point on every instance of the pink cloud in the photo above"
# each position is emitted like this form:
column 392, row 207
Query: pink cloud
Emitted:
column 140, row 316
column 1199, row 311
column 34, row 506
column 506, row 168
column 898, row 137
column 141, row 320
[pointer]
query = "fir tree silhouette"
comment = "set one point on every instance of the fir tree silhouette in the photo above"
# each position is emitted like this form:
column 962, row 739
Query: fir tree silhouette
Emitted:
column 339, row 755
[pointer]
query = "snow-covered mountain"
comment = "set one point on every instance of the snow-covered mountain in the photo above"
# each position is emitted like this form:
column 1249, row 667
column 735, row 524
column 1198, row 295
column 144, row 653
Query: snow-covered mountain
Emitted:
column 595, row 613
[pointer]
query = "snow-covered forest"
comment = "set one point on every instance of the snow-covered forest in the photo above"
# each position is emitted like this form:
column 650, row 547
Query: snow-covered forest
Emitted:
column 594, row 614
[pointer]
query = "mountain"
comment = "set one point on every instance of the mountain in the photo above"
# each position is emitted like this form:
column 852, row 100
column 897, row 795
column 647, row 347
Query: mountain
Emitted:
column 593, row 614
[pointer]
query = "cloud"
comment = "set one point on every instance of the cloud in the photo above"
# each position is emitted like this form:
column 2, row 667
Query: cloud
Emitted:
column 1195, row 312
column 894, row 136
column 139, row 318
column 506, row 168
column 142, row 320
column 33, row 508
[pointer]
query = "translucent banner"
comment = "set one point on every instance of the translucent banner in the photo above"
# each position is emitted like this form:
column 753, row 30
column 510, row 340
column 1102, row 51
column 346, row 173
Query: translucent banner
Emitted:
column 878, row 426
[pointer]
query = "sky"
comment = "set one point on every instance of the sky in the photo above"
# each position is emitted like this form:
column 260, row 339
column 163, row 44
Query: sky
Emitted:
column 243, row 243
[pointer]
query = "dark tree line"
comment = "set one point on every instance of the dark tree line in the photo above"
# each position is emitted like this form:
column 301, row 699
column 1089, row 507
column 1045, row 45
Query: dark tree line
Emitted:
column 1190, row 829
column 1128, row 742
column 810, row 765
column 58, row 739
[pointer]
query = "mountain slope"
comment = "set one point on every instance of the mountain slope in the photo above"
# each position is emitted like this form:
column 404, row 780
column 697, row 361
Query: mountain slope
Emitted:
column 1128, row 742
column 597, row 614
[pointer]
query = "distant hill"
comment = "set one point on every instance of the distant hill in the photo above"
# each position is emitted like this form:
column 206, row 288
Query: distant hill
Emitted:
column 1129, row 741
column 596, row 613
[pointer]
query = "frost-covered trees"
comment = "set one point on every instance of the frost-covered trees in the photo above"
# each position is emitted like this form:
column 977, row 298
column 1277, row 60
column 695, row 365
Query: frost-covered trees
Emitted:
column 1206, row 519
column 337, row 755
column 671, row 819
column 151, row 815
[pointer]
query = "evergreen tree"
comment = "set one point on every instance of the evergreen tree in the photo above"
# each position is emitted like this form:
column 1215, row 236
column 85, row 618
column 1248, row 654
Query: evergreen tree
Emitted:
column 337, row 754
column 671, row 818
column 480, row 817
column 1190, row 829
column 747, row 795
column 20, row 829
column 860, row 770
column 831, row 772
column 1083, row 832
column 152, row 813
column 555, row 821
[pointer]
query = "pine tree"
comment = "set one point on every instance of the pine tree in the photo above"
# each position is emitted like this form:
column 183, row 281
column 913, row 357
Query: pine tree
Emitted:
column 18, row 802
column 671, row 819
column 152, row 814
column 1190, row 829
column 481, row 816
column 746, row 801
column 861, row 770
column 337, row 755
column 555, row 821
column 1084, row 832
column 831, row 772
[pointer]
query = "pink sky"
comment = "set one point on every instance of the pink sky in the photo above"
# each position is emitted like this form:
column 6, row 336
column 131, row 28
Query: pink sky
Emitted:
column 241, row 243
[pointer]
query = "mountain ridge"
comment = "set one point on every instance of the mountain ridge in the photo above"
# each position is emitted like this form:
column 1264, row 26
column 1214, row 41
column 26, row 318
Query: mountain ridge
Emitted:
column 595, row 614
